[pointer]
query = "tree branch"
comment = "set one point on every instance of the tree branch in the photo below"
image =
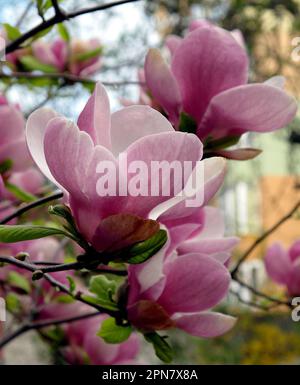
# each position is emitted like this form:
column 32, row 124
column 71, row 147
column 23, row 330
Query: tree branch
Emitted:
column 42, row 324
column 67, row 78
column 58, row 18
column 24, row 209
column 262, row 238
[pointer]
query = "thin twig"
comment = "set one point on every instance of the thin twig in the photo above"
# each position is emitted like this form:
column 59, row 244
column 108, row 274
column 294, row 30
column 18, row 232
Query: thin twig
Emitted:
column 67, row 78
column 42, row 324
column 263, row 237
column 58, row 18
column 30, row 206
column 262, row 295
column 78, row 296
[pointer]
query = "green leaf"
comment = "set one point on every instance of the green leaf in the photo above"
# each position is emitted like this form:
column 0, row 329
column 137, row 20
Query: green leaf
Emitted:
column 187, row 123
column 64, row 212
column 72, row 284
column 162, row 349
column 32, row 64
column 13, row 33
column 104, row 289
column 221, row 143
column 88, row 55
column 142, row 251
column 113, row 333
column 19, row 193
column 17, row 233
column 18, row 281
column 63, row 31
column 64, row 298
column 96, row 301
column 6, row 165
column 13, row 303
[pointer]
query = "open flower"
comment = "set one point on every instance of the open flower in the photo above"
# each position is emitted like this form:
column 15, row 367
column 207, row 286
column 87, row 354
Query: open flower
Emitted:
column 172, row 290
column 283, row 266
column 12, row 137
column 70, row 154
column 80, row 58
column 84, row 346
column 207, row 80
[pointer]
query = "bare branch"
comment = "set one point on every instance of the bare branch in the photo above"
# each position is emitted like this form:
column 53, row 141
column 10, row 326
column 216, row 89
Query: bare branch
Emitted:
column 58, row 18
column 42, row 324
column 263, row 237
column 30, row 206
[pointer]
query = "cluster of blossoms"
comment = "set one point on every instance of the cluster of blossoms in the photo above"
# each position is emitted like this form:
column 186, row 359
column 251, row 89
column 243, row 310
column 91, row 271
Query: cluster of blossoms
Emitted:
column 17, row 168
column 207, row 103
column 77, row 57
column 204, row 89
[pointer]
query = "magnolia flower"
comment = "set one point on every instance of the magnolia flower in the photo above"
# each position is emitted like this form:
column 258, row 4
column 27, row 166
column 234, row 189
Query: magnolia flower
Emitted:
column 69, row 155
column 172, row 290
column 12, row 136
column 207, row 80
column 202, row 231
column 80, row 58
column 283, row 266
column 84, row 346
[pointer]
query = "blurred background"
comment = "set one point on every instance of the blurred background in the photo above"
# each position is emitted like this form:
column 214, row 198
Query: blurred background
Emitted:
column 256, row 194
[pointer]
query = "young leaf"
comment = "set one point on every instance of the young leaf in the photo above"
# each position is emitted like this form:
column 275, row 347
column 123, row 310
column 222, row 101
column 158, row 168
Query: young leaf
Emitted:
column 13, row 303
column 6, row 165
column 113, row 333
column 65, row 213
column 72, row 284
column 142, row 251
column 64, row 33
column 32, row 64
column 96, row 301
column 12, row 32
column 88, row 55
column 17, row 233
column 18, row 281
column 19, row 193
column 162, row 349
column 104, row 289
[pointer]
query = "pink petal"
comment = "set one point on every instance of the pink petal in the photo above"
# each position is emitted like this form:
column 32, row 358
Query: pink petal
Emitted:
column 294, row 251
column 214, row 173
column 207, row 62
column 276, row 81
column 206, row 324
column 162, row 84
column 173, row 42
column 254, row 107
column 67, row 152
column 278, row 265
column 43, row 53
column 12, row 124
column 35, row 132
column 194, row 283
column 30, row 180
column 239, row 153
column 95, row 117
column 91, row 69
column 167, row 146
column 294, row 282
column 18, row 153
column 135, row 122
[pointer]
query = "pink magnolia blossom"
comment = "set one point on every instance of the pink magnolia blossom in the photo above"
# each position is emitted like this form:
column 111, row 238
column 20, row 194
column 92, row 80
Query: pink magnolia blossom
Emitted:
column 178, row 290
column 12, row 136
column 207, row 79
column 283, row 266
column 68, row 154
column 69, row 57
column 84, row 346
